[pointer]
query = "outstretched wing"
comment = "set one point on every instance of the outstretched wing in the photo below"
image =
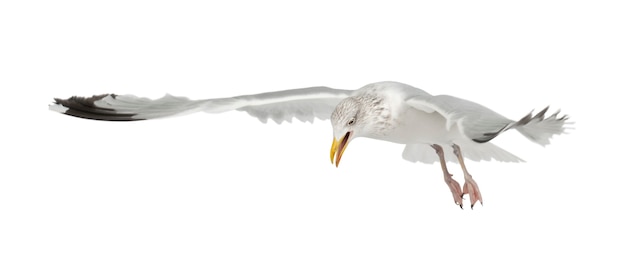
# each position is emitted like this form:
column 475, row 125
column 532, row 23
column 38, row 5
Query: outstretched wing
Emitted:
column 476, row 122
column 481, row 124
column 304, row 104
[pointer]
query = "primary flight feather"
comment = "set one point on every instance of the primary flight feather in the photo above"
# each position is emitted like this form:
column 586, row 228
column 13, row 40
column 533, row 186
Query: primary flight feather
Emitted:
column 433, row 128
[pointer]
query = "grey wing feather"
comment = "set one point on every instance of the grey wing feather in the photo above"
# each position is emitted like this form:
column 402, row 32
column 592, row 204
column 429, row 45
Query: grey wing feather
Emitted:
column 475, row 121
column 303, row 110
column 481, row 124
column 475, row 152
column 303, row 104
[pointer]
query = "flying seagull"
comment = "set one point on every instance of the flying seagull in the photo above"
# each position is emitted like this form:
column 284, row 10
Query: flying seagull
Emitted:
column 433, row 128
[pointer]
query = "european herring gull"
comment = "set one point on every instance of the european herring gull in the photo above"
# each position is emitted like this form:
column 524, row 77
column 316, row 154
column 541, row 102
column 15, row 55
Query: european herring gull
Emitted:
column 433, row 128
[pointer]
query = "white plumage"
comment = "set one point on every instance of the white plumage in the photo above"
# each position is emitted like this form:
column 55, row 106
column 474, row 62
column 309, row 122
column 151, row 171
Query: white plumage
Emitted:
column 388, row 111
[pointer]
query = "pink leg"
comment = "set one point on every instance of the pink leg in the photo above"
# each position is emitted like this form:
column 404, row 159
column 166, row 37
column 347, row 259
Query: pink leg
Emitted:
column 470, row 187
column 454, row 186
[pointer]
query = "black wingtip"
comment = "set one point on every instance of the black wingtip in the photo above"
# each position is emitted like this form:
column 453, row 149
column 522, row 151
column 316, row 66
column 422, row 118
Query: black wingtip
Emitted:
column 85, row 107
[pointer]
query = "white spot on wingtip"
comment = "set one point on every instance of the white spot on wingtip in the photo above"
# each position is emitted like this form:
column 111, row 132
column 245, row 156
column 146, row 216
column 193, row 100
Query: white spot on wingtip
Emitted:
column 58, row 108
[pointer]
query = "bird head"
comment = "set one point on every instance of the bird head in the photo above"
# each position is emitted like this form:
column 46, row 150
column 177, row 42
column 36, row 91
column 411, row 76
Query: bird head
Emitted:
column 348, row 123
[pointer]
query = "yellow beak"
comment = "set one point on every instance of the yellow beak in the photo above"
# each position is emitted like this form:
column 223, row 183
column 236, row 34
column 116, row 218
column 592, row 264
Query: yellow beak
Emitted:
column 337, row 148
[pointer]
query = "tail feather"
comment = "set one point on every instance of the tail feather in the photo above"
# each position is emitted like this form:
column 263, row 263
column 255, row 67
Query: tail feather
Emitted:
column 540, row 129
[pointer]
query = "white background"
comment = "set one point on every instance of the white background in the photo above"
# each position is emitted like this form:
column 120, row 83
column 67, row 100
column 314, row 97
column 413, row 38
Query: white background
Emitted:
column 224, row 195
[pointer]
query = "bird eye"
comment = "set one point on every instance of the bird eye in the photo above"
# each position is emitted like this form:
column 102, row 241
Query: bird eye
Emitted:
column 351, row 122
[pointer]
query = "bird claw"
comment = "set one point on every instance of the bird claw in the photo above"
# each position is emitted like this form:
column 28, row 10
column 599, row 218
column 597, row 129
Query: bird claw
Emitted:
column 455, row 188
column 470, row 187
